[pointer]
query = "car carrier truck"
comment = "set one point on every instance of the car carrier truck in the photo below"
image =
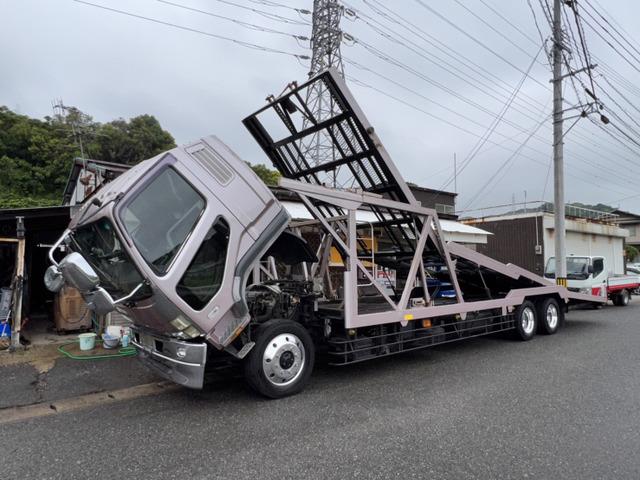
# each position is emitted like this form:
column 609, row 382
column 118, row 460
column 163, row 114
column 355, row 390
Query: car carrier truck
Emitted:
column 202, row 258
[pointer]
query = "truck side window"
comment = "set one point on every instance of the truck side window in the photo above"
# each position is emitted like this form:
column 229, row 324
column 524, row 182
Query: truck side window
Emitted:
column 598, row 266
column 203, row 278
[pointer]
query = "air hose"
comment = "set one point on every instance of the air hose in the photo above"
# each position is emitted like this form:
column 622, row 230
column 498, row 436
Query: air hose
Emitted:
column 123, row 352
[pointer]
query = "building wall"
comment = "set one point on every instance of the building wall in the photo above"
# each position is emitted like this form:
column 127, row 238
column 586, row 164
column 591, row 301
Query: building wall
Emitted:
column 514, row 241
column 634, row 232
column 443, row 202
column 589, row 239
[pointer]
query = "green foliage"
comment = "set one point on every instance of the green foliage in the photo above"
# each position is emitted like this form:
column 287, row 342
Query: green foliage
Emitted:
column 601, row 207
column 129, row 142
column 631, row 252
column 268, row 176
column 36, row 155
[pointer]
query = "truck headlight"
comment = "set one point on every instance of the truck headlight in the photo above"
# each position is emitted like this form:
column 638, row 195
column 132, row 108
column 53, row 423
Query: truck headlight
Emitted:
column 585, row 291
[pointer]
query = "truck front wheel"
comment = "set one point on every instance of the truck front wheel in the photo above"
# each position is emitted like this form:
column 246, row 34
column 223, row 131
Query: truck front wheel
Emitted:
column 526, row 321
column 550, row 316
column 282, row 359
column 621, row 299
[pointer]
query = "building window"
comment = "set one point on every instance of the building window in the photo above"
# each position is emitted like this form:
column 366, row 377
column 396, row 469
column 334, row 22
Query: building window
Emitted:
column 446, row 209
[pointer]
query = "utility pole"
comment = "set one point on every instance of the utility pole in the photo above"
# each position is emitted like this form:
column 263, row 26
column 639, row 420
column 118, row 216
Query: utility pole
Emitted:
column 326, row 38
column 558, row 161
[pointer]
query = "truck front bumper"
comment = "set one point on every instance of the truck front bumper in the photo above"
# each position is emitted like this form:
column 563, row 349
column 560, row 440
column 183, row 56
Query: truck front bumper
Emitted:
column 181, row 362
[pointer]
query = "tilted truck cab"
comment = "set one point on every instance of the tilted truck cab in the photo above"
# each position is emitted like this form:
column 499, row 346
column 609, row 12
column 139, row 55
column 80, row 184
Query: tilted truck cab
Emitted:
column 185, row 228
column 197, row 252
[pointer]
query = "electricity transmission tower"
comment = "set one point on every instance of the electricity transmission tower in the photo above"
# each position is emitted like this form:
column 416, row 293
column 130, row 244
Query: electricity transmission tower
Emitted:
column 325, row 42
column 326, row 36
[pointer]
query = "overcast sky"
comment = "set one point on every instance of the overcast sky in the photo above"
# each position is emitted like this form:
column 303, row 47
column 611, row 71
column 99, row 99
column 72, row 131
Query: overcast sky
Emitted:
column 111, row 65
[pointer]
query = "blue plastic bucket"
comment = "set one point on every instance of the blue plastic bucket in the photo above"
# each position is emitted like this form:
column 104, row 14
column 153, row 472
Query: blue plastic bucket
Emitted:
column 5, row 329
column 87, row 341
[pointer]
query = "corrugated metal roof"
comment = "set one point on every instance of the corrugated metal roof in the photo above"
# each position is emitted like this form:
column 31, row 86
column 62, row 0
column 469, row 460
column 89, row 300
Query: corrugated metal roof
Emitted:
column 298, row 211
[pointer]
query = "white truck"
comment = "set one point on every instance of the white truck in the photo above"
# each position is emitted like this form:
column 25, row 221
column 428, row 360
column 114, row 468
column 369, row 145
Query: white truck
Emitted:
column 205, row 261
column 591, row 275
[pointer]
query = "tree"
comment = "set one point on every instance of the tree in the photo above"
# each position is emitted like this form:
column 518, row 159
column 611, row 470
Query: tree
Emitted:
column 268, row 176
column 631, row 252
column 36, row 155
column 132, row 141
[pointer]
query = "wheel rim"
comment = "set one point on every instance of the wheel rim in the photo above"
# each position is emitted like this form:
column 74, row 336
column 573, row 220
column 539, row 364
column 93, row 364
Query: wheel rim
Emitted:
column 625, row 297
column 528, row 321
column 552, row 316
column 283, row 360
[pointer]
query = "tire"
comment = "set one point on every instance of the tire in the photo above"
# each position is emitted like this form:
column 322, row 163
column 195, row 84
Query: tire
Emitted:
column 526, row 321
column 550, row 316
column 622, row 298
column 282, row 359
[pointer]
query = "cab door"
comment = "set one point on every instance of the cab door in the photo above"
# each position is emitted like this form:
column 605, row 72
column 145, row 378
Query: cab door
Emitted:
column 599, row 275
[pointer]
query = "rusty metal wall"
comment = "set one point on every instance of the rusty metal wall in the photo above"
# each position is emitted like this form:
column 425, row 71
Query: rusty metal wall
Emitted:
column 514, row 241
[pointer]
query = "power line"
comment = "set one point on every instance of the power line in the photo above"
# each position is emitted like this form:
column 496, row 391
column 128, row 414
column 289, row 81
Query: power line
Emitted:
column 503, row 168
column 626, row 35
column 474, row 151
column 509, row 22
column 415, row 107
column 587, row 59
column 442, row 47
column 269, row 3
column 250, row 26
column 377, row 73
column 494, row 29
column 269, row 15
column 468, row 35
column 395, row 62
column 441, row 63
column 542, row 37
column 242, row 43
column 613, row 47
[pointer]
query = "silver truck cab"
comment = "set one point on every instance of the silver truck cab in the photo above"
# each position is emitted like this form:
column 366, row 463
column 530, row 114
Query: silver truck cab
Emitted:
column 181, row 277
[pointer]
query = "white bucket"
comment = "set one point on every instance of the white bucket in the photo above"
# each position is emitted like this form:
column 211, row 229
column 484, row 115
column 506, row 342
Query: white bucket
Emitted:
column 87, row 341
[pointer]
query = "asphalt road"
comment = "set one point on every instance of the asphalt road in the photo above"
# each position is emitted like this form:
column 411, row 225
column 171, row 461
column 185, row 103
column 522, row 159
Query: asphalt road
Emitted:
column 565, row 406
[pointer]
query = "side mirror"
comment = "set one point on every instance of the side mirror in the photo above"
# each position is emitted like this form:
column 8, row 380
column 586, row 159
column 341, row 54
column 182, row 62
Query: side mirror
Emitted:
column 53, row 279
column 78, row 273
column 590, row 269
column 99, row 301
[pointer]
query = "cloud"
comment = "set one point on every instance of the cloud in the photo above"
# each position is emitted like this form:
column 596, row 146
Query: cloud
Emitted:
column 113, row 66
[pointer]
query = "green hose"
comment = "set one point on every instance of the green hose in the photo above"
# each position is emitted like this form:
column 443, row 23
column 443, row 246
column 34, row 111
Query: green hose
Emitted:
column 123, row 352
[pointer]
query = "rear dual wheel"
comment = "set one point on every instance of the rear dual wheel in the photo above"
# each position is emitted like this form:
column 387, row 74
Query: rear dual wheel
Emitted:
column 545, row 316
column 526, row 321
column 550, row 316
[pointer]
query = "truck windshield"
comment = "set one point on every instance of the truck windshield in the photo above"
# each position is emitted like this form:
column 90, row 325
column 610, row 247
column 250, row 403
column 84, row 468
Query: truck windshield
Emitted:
column 577, row 268
column 99, row 244
column 160, row 218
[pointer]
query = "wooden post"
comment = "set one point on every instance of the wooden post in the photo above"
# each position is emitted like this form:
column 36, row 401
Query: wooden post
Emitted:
column 19, row 286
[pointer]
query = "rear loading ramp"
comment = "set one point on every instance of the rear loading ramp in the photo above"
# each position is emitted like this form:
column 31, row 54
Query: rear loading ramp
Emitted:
column 336, row 164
